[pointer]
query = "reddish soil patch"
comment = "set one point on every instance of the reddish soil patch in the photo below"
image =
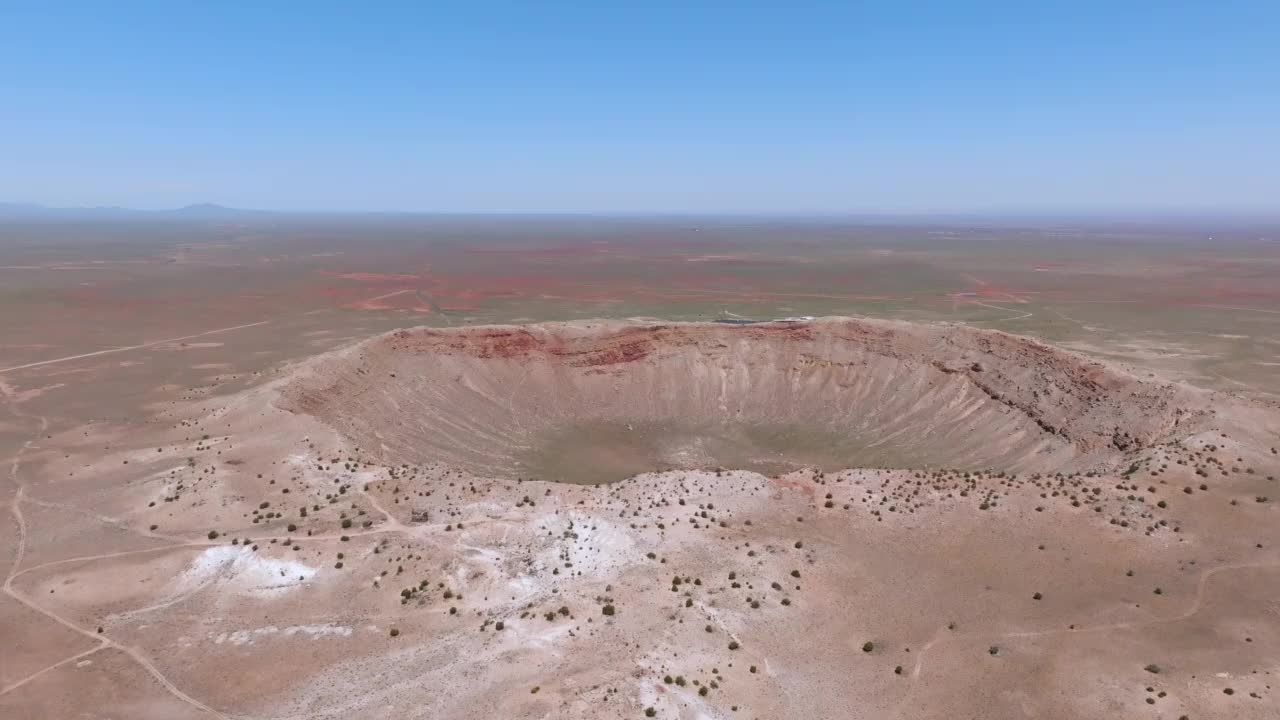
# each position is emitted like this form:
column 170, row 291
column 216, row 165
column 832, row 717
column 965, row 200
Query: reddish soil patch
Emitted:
column 372, row 277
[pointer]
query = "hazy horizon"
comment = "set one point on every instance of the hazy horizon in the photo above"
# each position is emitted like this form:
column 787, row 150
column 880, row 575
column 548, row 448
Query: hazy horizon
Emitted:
column 204, row 210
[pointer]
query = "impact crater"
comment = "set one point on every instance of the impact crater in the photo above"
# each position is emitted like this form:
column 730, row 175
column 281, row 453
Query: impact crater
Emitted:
column 599, row 401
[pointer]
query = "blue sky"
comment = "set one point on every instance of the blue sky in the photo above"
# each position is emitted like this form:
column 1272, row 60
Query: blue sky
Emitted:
column 591, row 106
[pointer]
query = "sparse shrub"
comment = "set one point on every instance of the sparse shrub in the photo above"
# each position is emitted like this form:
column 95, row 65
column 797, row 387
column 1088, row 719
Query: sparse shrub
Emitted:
column 213, row 534
column 395, row 632
column 607, row 610
column 868, row 646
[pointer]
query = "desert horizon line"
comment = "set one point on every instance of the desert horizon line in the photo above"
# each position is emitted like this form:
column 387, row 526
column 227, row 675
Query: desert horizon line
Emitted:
column 40, row 209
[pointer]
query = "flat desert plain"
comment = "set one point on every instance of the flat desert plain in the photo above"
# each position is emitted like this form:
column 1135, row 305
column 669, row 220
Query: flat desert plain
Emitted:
column 288, row 467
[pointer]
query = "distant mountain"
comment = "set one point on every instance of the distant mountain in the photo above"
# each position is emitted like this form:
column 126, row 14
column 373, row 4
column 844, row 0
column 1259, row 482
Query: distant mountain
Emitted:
column 209, row 210
column 197, row 211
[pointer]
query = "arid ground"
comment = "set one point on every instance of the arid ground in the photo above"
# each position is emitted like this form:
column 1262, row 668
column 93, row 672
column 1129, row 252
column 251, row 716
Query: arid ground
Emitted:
column 576, row 467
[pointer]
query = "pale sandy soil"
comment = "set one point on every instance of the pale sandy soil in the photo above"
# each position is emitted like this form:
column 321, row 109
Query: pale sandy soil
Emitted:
column 1031, row 535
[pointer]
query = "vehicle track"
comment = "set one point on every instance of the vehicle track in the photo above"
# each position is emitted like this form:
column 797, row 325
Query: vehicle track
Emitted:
column 131, row 347
column 15, row 507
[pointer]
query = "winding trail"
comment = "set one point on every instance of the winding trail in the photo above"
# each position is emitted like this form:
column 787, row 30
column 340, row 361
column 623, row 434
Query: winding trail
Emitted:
column 1024, row 314
column 393, row 524
column 101, row 642
column 15, row 685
